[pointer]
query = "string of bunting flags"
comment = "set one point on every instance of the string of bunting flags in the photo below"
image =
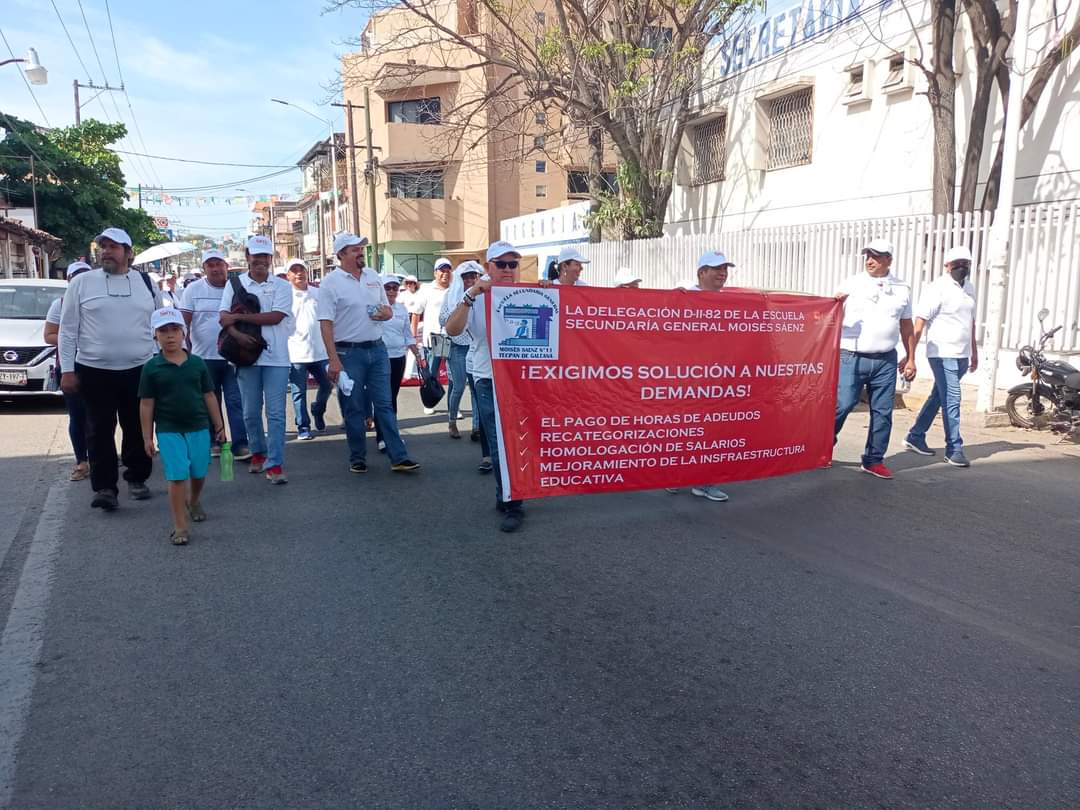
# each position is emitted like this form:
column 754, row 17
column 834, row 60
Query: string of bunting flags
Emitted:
column 163, row 198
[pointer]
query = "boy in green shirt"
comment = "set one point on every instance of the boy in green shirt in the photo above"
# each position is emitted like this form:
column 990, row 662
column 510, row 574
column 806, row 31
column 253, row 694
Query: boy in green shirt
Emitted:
column 176, row 393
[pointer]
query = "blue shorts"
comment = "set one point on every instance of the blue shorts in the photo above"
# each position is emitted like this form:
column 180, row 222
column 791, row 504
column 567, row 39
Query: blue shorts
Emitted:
column 185, row 455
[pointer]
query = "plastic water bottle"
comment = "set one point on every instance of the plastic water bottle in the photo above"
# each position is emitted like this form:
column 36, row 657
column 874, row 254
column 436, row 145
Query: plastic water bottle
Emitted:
column 226, row 461
column 903, row 385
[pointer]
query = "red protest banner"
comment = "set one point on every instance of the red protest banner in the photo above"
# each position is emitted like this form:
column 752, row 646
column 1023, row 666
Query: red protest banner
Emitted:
column 613, row 389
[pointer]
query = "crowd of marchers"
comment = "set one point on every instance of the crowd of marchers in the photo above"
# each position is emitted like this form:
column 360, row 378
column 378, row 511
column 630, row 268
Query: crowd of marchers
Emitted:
column 171, row 364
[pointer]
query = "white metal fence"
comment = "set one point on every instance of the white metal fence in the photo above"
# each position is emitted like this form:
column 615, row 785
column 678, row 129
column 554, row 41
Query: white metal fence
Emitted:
column 1044, row 265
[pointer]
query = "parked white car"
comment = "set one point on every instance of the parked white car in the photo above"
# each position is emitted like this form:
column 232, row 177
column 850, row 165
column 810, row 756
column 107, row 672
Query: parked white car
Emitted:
column 26, row 361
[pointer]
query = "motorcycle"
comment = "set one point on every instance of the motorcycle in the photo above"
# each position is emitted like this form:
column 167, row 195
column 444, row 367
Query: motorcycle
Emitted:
column 1054, row 383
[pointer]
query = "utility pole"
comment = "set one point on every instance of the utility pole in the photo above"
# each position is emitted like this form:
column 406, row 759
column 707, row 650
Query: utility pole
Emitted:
column 1002, row 225
column 91, row 86
column 354, row 191
column 369, row 173
column 33, row 191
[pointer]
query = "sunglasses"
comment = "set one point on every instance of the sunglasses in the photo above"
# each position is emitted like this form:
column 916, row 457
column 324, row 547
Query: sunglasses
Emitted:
column 510, row 265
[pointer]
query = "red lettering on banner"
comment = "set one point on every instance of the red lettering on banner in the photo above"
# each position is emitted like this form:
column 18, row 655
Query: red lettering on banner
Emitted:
column 601, row 390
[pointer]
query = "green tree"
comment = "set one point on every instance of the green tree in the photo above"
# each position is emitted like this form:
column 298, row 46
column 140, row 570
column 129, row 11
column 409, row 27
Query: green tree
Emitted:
column 80, row 186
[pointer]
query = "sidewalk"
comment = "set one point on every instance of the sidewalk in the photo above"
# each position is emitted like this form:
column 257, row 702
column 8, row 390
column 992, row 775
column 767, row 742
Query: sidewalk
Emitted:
column 920, row 389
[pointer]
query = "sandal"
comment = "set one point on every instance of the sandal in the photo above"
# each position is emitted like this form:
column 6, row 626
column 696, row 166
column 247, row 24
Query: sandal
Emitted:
column 198, row 514
column 179, row 537
column 80, row 472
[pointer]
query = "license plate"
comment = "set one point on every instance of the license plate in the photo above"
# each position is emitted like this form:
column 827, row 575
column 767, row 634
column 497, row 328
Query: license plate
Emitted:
column 12, row 378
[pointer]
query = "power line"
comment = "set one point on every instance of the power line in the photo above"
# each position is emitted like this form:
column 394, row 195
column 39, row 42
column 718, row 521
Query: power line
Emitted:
column 71, row 42
column 223, row 186
column 12, row 128
column 211, row 162
column 22, row 74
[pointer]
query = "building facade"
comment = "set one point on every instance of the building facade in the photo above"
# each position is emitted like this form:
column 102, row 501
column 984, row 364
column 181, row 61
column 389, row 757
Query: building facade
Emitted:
column 27, row 252
column 319, row 217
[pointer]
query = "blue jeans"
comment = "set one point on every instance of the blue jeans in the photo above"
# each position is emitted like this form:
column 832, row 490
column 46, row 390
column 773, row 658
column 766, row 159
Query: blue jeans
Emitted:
column 298, row 375
column 76, row 409
column 370, row 370
column 259, row 384
column 485, row 404
column 945, row 396
column 223, row 376
column 434, row 364
column 877, row 374
column 458, row 381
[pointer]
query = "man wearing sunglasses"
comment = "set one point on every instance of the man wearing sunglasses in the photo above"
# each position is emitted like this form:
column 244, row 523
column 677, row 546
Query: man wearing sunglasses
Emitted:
column 105, row 339
column 946, row 313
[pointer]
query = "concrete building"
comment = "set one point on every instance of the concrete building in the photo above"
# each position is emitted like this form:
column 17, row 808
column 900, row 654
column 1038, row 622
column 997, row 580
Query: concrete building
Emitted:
column 813, row 113
column 280, row 220
column 26, row 252
column 320, row 218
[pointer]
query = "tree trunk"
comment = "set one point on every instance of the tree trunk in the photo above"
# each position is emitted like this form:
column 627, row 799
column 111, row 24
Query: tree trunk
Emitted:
column 942, row 95
column 596, row 179
column 969, row 178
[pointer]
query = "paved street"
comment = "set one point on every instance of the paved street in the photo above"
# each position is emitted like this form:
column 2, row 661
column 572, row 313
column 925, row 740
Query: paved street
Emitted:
column 823, row 640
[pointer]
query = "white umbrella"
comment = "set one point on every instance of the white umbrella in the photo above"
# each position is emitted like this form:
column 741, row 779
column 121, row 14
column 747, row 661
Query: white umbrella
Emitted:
column 166, row 250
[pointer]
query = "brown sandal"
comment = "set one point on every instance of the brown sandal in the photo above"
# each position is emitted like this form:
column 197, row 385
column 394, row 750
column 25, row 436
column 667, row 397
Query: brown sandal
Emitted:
column 179, row 538
column 454, row 432
column 80, row 472
column 198, row 514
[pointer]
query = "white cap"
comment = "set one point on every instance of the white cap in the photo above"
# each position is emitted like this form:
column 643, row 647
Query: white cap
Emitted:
column 443, row 262
column 501, row 248
column 165, row 316
column 155, row 277
column 959, row 253
column 412, row 278
column 390, row 278
column 571, row 254
column 469, row 267
column 687, row 284
column 260, row 244
column 346, row 239
column 714, row 258
column 189, row 277
column 882, row 247
column 75, row 267
column 116, row 234
column 624, row 275
column 289, row 265
column 207, row 255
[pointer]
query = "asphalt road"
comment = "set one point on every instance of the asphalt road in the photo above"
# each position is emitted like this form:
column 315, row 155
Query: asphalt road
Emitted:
column 826, row 640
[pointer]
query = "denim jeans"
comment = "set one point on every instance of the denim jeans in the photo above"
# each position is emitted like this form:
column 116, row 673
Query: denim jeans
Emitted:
column 370, row 371
column 76, row 409
column 485, row 450
column 223, row 376
column 458, row 380
column 877, row 374
column 485, row 404
column 298, row 375
column 259, row 384
column 945, row 396
column 397, row 374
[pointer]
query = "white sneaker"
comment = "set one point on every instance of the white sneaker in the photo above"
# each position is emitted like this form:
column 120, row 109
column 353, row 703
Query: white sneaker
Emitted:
column 712, row 492
column 460, row 415
column 672, row 490
column 428, row 411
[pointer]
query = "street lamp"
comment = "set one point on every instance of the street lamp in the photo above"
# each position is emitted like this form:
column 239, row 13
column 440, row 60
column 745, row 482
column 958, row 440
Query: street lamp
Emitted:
column 333, row 154
column 35, row 74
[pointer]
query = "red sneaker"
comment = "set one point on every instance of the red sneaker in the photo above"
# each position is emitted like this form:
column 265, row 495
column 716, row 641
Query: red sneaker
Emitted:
column 879, row 470
column 257, row 461
column 275, row 475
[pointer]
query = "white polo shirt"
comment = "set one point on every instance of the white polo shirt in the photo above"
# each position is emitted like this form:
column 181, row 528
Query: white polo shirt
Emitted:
column 949, row 310
column 306, row 343
column 275, row 295
column 344, row 299
column 203, row 301
column 873, row 311
column 431, row 299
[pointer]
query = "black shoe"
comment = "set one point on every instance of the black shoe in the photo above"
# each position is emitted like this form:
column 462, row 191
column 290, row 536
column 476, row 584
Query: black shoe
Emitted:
column 512, row 520
column 138, row 490
column 485, row 466
column 320, row 421
column 241, row 454
column 105, row 499
column 475, row 435
column 405, row 465
column 500, row 506
column 358, row 467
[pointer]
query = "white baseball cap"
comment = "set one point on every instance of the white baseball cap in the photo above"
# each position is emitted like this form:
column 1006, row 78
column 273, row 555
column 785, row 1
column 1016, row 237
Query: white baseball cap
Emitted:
column 412, row 278
column 346, row 239
column 879, row 247
column 443, row 262
column 714, row 258
column 260, row 244
column 165, row 316
column 571, row 254
column 470, row 266
column 116, row 234
column 75, row 267
column 293, row 263
column 390, row 278
column 959, row 253
column 207, row 255
column 624, row 275
column 501, row 248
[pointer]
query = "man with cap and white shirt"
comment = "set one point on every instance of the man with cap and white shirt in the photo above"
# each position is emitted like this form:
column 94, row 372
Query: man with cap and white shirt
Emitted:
column 104, row 340
column 946, row 313
column 267, row 380
column 307, row 354
column 200, row 305
column 570, row 264
column 426, row 324
column 877, row 316
column 352, row 309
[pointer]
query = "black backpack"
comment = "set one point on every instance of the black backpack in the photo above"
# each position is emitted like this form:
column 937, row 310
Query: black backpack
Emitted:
column 237, row 353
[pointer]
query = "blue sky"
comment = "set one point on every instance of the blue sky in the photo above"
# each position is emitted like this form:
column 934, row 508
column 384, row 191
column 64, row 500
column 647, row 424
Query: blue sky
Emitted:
column 200, row 75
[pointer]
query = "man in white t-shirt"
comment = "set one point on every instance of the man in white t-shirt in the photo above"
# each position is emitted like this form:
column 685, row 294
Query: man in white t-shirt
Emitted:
column 946, row 313
column 425, row 319
column 877, row 317
column 570, row 265
column 200, row 305
column 267, row 380
column 307, row 353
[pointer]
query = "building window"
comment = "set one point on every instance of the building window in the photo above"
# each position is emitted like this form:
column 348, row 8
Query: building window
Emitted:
column 541, row 191
column 577, row 183
column 791, row 129
column 417, row 111
column 417, row 185
column 541, row 166
column 656, row 38
column 538, row 142
column 710, row 151
column 541, row 117
column 856, row 77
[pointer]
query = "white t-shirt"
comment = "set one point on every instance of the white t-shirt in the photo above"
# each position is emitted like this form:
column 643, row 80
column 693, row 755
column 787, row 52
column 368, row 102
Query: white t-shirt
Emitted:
column 53, row 315
column 397, row 332
column 275, row 295
column 411, row 301
column 949, row 310
column 431, row 298
column 203, row 301
column 873, row 311
column 306, row 343
column 478, row 360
